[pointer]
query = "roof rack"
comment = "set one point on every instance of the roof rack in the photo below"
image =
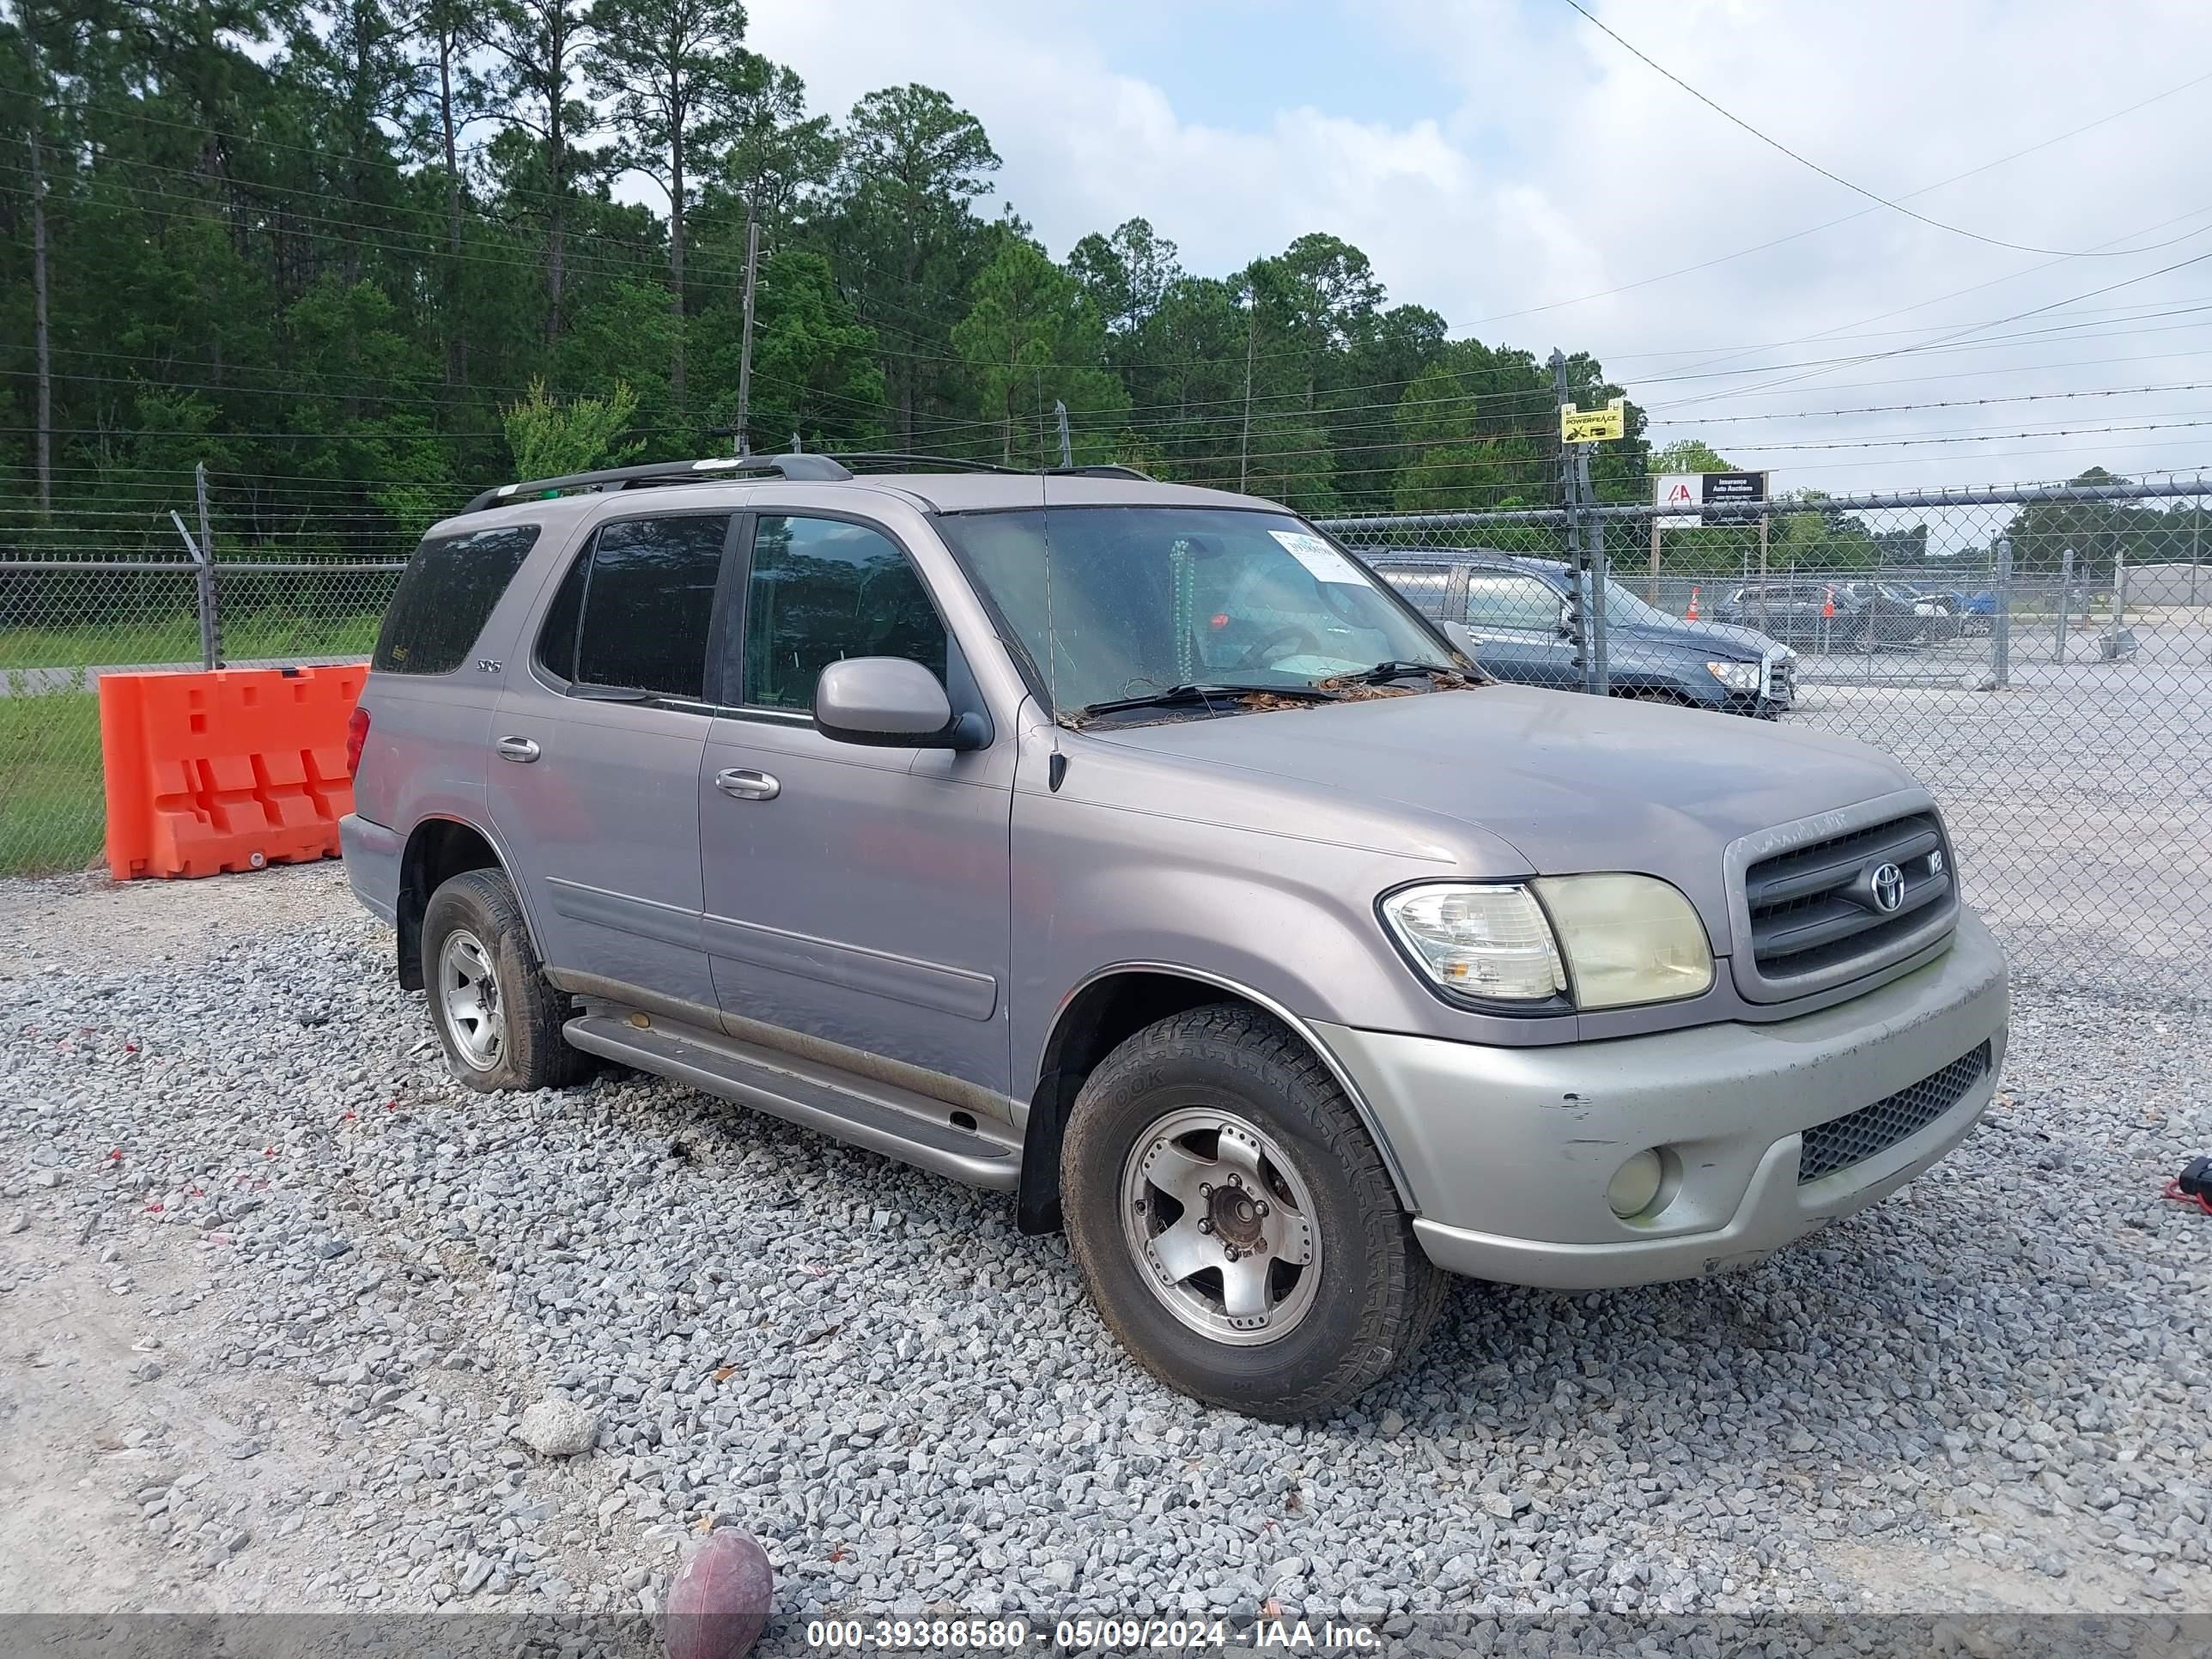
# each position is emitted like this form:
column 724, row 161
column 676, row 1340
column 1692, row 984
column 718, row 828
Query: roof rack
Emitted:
column 1102, row 470
column 812, row 468
column 891, row 460
column 799, row 468
column 882, row 460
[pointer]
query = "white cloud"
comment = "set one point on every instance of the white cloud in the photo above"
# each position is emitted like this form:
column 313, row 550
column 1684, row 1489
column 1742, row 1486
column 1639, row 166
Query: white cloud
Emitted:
column 1566, row 167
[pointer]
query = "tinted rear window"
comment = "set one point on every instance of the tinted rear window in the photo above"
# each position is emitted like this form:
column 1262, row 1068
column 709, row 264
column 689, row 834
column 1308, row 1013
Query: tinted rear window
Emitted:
column 446, row 595
column 648, row 600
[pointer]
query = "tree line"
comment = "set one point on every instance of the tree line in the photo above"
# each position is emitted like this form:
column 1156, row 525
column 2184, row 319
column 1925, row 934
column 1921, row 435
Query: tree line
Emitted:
column 361, row 257
column 375, row 253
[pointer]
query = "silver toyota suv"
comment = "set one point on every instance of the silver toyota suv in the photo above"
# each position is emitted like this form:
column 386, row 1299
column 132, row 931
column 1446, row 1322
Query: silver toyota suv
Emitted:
column 1131, row 848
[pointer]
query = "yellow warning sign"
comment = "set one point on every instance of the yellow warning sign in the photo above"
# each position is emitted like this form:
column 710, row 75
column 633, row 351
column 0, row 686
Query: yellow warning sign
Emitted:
column 1591, row 426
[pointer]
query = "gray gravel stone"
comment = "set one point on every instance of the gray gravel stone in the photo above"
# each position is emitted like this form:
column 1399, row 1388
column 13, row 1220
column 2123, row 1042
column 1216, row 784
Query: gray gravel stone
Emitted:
column 555, row 1427
column 1998, row 1368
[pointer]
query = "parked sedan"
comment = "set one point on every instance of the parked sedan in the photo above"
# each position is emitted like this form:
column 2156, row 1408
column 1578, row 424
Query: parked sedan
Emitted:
column 1516, row 613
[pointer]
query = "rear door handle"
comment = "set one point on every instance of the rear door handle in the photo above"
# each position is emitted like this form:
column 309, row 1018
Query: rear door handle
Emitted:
column 746, row 785
column 517, row 749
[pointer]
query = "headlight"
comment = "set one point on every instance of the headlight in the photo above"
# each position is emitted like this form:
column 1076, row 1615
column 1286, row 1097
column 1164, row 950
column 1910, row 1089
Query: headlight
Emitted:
column 1627, row 940
column 1606, row 940
column 1490, row 942
column 1737, row 675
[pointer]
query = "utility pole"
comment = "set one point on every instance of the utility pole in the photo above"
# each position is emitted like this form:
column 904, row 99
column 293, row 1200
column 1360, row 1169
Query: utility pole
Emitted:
column 1067, row 448
column 746, row 343
column 1251, row 340
column 45, row 416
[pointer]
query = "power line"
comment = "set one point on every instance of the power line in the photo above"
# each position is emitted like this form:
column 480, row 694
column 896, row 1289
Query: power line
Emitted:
column 1953, row 403
column 1974, row 328
column 1837, row 178
column 1838, row 330
column 1815, row 230
column 1977, row 437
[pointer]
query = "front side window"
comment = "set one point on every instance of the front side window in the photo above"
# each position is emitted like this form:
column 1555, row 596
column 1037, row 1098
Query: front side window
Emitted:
column 822, row 590
column 1118, row 601
column 445, row 596
column 1497, row 600
column 1428, row 585
column 633, row 612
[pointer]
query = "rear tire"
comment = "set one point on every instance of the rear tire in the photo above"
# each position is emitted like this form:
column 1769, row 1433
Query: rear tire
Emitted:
column 1329, row 1291
column 498, row 1019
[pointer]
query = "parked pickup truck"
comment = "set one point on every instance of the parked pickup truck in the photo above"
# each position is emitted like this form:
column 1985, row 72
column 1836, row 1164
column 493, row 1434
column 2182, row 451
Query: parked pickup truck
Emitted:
column 1133, row 849
column 1518, row 614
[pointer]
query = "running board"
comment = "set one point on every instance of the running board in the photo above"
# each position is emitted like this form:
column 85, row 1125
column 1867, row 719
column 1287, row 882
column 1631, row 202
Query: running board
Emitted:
column 878, row 1116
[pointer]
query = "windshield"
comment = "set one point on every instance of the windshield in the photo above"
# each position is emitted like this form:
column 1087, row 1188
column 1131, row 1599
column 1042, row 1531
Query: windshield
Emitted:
column 1142, row 598
column 1622, row 606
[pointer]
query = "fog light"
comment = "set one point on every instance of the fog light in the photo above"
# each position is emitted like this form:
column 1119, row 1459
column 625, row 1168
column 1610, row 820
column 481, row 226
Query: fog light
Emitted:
column 1635, row 1184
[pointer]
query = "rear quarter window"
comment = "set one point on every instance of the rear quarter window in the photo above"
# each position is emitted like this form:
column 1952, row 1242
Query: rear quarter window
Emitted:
column 445, row 596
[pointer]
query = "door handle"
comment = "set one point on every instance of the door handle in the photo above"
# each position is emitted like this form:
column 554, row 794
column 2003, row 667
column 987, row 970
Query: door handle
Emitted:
column 517, row 749
column 747, row 785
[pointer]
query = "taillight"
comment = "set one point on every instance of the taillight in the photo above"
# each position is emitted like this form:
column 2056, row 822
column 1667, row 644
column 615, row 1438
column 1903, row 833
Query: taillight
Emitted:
column 356, row 735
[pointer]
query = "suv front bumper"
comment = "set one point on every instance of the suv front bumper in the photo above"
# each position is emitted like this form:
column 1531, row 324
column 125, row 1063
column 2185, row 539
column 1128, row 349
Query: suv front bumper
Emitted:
column 1509, row 1150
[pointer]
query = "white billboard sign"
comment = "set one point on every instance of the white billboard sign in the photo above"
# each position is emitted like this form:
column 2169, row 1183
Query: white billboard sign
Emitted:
column 1684, row 490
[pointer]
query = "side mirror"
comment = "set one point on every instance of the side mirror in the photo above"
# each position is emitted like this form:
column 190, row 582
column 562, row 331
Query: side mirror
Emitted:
column 1457, row 634
column 890, row 702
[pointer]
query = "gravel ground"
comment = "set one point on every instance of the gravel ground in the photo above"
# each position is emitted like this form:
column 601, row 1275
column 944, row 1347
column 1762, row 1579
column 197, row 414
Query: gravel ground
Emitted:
column 276, row 1296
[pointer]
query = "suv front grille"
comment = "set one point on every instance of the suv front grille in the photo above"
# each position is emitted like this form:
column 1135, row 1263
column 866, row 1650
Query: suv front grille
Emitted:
column 1843, row 1141
column 1816, row 907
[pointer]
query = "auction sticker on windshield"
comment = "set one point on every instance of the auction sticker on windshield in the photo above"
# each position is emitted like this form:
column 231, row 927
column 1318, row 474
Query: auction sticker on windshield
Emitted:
column 1327, row 564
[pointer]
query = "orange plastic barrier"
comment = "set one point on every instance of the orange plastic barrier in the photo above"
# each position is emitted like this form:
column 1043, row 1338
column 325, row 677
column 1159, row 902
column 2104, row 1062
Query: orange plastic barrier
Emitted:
column 225, row 770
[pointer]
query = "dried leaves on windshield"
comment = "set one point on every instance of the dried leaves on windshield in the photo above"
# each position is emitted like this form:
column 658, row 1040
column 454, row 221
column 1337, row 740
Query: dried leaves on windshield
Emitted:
column 1339, row 689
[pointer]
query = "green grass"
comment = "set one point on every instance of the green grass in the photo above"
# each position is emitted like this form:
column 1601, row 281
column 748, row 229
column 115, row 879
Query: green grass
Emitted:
column 52, row 813
column 177, row 640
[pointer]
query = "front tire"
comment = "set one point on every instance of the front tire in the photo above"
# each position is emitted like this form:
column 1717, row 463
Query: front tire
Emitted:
column 1234, row 1223
column 498, row 1019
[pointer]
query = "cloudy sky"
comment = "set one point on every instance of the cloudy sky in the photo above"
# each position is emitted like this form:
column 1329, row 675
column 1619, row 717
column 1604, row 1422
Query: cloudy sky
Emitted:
column 1505, row 163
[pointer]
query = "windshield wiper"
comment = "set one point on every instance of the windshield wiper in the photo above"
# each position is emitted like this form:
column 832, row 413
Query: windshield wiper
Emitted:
column 1382, row 672
column 1180, row 695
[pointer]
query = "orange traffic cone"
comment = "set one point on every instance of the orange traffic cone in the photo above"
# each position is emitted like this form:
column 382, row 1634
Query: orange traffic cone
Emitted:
column 1690, row 615
column 1828, row 606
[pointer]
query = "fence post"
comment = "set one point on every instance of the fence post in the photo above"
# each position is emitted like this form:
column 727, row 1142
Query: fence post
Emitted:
column 1571, row 476
column 210, row 615
column 1598, row 676
column 2065, row 601
column 2001, row 619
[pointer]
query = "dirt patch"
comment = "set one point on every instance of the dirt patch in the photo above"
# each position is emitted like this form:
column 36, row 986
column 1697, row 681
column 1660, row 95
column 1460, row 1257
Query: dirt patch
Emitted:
column 113, row 922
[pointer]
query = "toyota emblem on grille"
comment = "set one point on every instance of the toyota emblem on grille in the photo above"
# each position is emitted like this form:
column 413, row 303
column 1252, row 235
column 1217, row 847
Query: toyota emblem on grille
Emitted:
column 1887, row 883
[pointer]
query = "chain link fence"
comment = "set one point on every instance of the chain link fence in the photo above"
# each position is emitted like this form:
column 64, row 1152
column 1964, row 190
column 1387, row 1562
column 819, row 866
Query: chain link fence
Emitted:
column 295, row 580
column 2041, row 658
